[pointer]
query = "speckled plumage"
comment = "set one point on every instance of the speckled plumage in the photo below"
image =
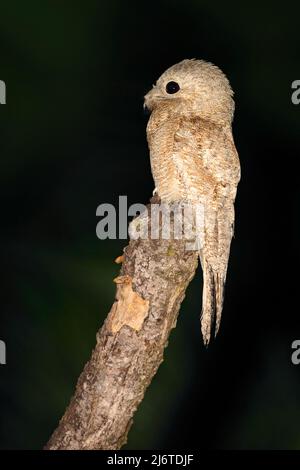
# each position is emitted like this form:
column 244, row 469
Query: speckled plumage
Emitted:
column 193, row 159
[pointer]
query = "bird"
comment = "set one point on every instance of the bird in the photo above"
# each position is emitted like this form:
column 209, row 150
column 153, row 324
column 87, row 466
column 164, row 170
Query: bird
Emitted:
column 193, row 158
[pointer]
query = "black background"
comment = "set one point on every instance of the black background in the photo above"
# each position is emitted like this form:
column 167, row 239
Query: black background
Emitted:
column 72, row 136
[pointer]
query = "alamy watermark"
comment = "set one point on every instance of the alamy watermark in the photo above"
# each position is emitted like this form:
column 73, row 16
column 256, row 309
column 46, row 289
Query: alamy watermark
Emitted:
column 296, row 94
column 2, row 352
column 2, row 92
column 179, row 221
column 295, row 357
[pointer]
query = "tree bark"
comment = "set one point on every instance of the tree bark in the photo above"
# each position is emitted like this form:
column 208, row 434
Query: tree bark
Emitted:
column 130, row 345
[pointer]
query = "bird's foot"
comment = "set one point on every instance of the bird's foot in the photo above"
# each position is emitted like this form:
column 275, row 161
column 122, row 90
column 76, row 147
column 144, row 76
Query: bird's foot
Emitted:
column 138, row 227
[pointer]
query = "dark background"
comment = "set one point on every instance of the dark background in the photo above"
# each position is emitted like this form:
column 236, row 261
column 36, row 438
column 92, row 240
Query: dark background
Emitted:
column 72, row 136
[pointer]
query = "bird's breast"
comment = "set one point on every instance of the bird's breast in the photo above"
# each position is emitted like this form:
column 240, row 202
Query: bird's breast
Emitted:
column 179, row 172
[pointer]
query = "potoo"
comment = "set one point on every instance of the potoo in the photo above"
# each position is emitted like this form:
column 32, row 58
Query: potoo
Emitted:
column 194, row 160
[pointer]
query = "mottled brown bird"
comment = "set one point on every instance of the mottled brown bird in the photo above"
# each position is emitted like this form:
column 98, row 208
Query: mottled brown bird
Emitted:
column 194, row 159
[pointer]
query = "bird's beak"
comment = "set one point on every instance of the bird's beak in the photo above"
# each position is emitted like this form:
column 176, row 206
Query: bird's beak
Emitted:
column 150, row 100
column 147, row 111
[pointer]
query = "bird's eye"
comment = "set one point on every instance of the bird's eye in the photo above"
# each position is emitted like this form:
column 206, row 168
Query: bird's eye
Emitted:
column 172, row 87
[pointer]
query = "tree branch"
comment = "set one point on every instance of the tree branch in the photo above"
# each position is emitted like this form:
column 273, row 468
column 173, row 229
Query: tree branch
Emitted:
column 130, row 345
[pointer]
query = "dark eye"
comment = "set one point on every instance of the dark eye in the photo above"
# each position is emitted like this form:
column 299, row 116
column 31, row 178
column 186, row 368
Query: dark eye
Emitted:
column 172, row 87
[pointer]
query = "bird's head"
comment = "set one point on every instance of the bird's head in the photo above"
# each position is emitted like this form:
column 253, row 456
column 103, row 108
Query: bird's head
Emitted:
column 193, row 87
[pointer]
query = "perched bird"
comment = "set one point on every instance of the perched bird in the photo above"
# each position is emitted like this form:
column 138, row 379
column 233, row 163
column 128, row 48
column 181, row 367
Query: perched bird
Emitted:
column 194, row 159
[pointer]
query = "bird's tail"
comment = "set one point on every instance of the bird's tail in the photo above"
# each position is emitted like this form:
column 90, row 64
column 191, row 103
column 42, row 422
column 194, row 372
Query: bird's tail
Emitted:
column 212, row 300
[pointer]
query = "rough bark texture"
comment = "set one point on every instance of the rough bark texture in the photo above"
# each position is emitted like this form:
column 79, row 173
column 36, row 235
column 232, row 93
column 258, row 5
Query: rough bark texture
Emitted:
column 130, row 345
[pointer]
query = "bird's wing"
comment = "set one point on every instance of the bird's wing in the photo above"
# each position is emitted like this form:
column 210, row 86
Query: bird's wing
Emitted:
column 217, row 171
